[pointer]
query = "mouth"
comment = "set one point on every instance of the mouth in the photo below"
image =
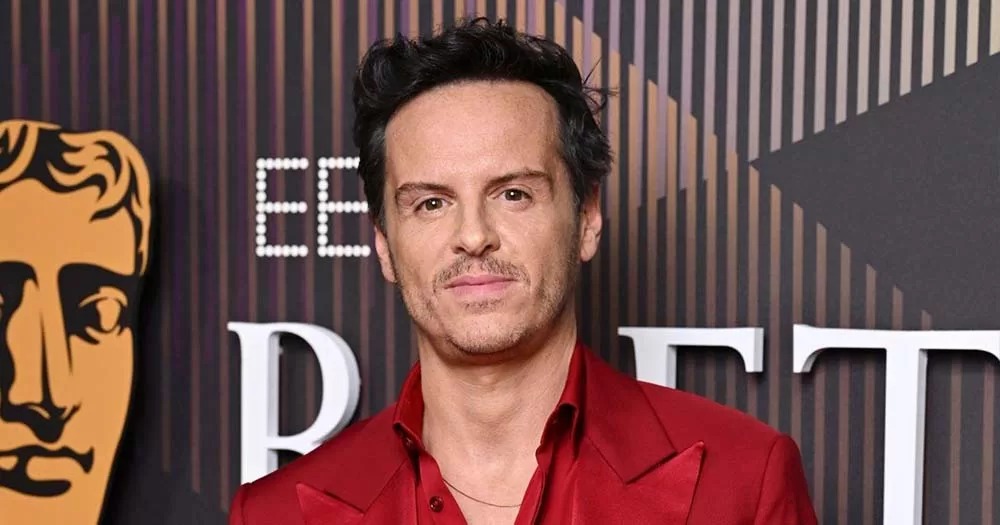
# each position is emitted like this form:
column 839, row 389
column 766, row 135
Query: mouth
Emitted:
column 17, row 477
column 479, row 286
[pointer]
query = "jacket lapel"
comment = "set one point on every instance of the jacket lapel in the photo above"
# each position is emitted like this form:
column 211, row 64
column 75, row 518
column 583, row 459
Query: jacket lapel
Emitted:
column 634, row 464
column 319, row 508
column 395, row 505
column 358, row 478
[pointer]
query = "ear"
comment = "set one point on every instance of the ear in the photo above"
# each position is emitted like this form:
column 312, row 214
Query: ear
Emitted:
column 591, row 223
column 384, row 258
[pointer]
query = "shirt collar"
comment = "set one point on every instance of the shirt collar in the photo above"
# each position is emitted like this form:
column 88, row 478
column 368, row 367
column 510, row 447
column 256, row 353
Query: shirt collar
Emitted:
column 408, row 418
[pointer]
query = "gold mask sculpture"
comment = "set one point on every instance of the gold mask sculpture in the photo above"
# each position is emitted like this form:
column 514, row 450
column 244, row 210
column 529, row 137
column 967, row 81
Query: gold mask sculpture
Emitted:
column 74, row 245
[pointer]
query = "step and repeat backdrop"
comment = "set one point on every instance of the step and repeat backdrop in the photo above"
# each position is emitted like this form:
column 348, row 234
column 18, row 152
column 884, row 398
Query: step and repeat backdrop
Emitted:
column 179, row 166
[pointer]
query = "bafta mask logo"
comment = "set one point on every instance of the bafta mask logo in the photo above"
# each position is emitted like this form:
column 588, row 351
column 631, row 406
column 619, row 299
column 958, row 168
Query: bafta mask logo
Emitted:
column 74, row 245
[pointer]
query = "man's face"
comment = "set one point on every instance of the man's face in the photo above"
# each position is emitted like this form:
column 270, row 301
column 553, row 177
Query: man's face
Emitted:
column 483, row 234
column 66, row 285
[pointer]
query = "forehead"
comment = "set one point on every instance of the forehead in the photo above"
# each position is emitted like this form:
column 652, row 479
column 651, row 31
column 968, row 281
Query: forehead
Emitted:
column 473, row 127
column 43, row 228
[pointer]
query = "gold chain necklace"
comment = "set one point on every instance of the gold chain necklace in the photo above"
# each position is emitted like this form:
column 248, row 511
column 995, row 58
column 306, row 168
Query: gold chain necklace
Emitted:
column 479, row 500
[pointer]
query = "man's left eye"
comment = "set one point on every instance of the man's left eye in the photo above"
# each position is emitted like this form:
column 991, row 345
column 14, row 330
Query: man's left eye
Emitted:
column 514, row 195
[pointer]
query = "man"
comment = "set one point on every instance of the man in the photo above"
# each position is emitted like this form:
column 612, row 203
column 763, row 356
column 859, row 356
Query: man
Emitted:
column 481, row 162
column 74, row 244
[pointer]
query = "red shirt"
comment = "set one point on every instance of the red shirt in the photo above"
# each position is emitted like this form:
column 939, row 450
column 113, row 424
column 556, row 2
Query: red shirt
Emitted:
column 621, row 451
column 550, row 486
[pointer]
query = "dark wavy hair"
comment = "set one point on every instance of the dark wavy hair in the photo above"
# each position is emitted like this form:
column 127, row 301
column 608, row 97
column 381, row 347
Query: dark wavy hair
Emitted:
column 395, row 71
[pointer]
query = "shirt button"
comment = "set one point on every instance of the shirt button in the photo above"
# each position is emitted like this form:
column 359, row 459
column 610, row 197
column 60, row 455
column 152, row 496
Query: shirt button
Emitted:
column 436, row 504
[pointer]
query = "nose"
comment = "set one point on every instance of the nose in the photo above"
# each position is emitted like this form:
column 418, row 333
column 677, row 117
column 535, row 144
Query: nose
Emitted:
column 34, row 356
column 477, row 235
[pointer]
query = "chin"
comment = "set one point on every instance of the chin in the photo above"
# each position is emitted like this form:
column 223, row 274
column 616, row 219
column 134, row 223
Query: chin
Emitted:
column 485, row 337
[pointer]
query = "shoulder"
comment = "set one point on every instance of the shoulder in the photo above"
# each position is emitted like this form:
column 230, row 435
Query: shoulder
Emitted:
column 749, row 468
column 274, row 495
column 690, row 418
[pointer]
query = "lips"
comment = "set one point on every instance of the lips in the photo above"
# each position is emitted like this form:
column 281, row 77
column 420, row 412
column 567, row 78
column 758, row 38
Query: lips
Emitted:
column 18, row 479
column 479, row 288
column 23, row 454
column 478, row 280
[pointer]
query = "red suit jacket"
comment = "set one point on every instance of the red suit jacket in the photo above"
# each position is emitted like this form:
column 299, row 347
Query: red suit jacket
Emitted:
column 649, row 455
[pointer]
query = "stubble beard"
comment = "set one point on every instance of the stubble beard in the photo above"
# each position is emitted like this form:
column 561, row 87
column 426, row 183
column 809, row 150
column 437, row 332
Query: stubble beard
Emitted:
column 485, row 337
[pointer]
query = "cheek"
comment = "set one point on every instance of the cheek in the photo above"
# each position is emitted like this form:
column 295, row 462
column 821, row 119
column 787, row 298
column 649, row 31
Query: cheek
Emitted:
column 103, row 373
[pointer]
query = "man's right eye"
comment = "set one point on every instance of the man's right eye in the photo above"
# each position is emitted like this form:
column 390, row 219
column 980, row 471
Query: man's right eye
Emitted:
column 432, row 204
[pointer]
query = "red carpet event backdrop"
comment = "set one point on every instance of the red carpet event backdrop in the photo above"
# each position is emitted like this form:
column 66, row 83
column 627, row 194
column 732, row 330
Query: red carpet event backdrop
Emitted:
column 834, row 163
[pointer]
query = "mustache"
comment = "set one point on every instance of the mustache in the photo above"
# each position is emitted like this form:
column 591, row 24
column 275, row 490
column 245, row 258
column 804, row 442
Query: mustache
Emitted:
column 490, row 265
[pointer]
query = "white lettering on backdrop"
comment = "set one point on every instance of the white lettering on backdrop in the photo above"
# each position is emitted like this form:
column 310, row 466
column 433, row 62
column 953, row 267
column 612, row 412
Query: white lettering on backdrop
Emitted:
column 656, row 362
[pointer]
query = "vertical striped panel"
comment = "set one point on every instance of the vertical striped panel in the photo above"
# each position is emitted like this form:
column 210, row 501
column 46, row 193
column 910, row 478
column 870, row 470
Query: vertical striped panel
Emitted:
column 950, row 22
column 994, row 27
column 614, row 186
column 194, row 225
column 972, row 34
column 662, row 79
column 708, row 113
column 753, row 276
column 559, row 24
column 652, row 179
column 732, row 248
column 753, row 133
column 989, row 443
column 540, row 17
column 596, row 263
column 413, row 30
column 797, row 273
column 308, row 149
column 819, row 380
column 133, row 67
column 955, row 440
column 844, row 389
column 711, row 260
column 15, row 54
column 222, row 149
column 777, row 71
column 632, row 199
column 906, row 48
column 798, row 91
column 638, row 178
column 102, row 61
column 671, row 234
column 868, row 454
column 337, row 25
column 74, row 63
column 165, row 328
column 864, row 51
column 819, row 104
column 365, row 302
column 774, row 368
column 687, row 58
column 843, row 19
column 691, row 223
column 732, row 77
column 45, row 59
column 712, row 231
column 927, row 70
column 885, row 48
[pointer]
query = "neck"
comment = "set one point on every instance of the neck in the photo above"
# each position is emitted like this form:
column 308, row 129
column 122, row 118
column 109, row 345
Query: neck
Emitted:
column 489, row 417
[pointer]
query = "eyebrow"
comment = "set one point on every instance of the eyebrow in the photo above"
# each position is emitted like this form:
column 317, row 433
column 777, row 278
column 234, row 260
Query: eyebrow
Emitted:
column 405, row 190
column 74, row 274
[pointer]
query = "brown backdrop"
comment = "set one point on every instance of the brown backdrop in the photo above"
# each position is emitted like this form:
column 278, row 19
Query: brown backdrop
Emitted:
column 830, row 162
